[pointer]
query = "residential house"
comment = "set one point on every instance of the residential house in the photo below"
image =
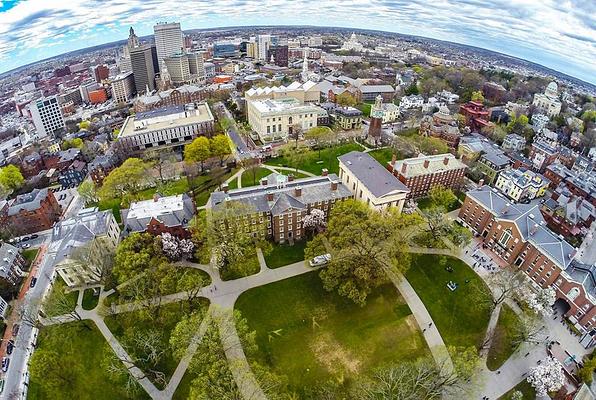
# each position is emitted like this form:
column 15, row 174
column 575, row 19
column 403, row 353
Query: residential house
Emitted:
column 568, row 214
column 411, row 101
column 32, row 212
column 521, row 184
column 12, row 264
column 542, row 155
column 582, row 184
column 159, row 215
column 442, row 125
column 347, row 117
column 513, row 142
column 475, row 114
column 101, row 166
column 73, row 175
column 370, row 182
column 492, row 163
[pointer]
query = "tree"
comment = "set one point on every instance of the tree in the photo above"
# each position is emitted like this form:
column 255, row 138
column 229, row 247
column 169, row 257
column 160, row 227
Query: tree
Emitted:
column 175, row 248
column 221, row 147
column 88, row 191
column 586, row 373
column 76, row 143
column 345, row 99
column 442, row 197
column 199, row 150
column 11, row 178
column 412, row 89
column 135, row 254
column 321, row 136
column 477, row 96
column 540, row 301
column 439, row 227
column 84, row 125
column 192, row 283
column 528, row 329
column 314, row 222
column 252, row 166
column 501, row 286
column 126, row 180
column 517, row 124
column 517, row 395
column 160, row 161
column 295, row 156
column 99, row 254
column 546, row 377
column 365, row 246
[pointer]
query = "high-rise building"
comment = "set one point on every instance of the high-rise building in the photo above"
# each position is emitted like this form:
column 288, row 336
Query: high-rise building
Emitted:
column 101, row 72
column 178, row 68
column 263, row 41
column 196, row 66
column 87, row 87
column 168, row 40
column 133, row 40
column 123, row 87
column 278, row 55
column 143, row 68
column 47, row 116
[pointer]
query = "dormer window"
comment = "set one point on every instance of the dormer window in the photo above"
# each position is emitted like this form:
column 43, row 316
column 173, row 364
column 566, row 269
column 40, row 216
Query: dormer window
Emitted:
column 505, row 237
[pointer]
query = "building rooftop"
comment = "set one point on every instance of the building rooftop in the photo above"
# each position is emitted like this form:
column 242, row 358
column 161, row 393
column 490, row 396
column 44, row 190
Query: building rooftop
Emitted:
column 8, row 253
column 269, row 106
column 436, row 163
column 377, row 89
column 524, row 178
column 170, row 210
column 529, row 222
column 376, row 178
column 28, row 201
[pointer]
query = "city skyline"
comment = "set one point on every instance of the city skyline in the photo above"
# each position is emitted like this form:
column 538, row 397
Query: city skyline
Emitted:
column 558, row 36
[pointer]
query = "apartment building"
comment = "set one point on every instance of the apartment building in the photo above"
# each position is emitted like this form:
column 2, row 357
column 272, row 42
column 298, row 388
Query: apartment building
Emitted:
column 521, row 184
column 32, row 212
column 159, row 215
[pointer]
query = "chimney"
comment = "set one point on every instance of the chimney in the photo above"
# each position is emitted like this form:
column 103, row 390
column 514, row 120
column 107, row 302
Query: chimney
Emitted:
column 426, row 163
column 298, row 191
column 324, row 172
column 480, row 182
column 446, row 160
column 404, row 167
column 393, row 159
column 155, row 197
column 263, row 181
column 269, row 196
column 334, row 185
column 290, row 177
column 225, row 187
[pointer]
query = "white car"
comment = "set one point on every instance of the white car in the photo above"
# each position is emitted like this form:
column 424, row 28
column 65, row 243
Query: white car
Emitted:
column 320, row 260
column 26, row 246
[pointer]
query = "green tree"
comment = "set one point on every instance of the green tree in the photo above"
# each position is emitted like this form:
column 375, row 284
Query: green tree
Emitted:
column 586, row 373
column 88, row 191
column 53, row 370
column 221, row 147
column 345, row 99
column 76, row 143
column 443, row 197
column 321, row 136
column 517, row 124
column 11, row 178
column 477, row 96
column 126, row 180
column 134, row 255
column 199, row 150
column 412, row 89
column 296, row 156
column 365, row 246
column 84, row 125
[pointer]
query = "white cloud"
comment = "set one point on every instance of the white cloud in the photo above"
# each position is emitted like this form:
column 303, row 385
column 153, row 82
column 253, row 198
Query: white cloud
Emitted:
column 562, row 34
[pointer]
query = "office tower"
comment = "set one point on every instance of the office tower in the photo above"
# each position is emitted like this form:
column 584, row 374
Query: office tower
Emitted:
column 178, row 68
column 47, row 116
column 264, row 41
column 133, row 40
column 101, row 72
column 168, row 40
column 123, row 87
column 156, row 66
column 196, row 66
column 143, row 70
column 87, row 87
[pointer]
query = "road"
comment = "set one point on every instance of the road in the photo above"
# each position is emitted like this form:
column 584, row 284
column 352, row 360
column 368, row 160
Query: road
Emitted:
column 242, row 151
column 15, row 384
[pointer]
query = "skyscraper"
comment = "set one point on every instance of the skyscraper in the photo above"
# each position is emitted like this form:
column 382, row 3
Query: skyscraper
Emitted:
column 178, row 68
column 47, row 116
column 133, row 40
column 168, row 40
column 263, row 41
column 196, row 66
column 141, row 60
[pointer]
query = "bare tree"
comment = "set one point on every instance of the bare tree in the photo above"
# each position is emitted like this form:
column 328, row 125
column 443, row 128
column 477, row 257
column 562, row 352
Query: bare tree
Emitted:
column 529, row 329
column 502, row 286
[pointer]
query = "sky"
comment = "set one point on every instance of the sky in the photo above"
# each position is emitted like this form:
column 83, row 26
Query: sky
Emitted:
column 560, row 34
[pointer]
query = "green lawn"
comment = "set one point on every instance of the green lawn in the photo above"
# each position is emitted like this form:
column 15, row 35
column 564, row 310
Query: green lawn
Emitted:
column 365, row 108
column 284, row 254
column 424, row 203
column 328, row 159
column 29, row 255
column 83, row 352
column 110, row 204
column 169, row 316
column 233, row 184
column 502, row 347
column 461, row 320
column 170, row 188
column 383, row 156
column 204, row 185
column 249, row 266
column 58, row 287
column 527, row 390
column 313, row 336
column 249, row 180
column 89, row 300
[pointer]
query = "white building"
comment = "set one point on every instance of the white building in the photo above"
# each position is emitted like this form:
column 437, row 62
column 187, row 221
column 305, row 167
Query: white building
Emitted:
column 47, row 116
column 513, row 142
column 352, row 44
column 549, row 101
column 276, row 119
column 169, row 126
column 370, row 182
column 303, row 92
column 97, row 230
column 521, row 184
column 447, row 97
column 168, row 40
column 263, row 44
column 3, row 308
column 539, row 121
column 123, row 87
column 411, row 101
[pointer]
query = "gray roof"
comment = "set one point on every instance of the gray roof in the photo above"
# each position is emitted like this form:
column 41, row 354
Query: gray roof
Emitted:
column 377, row 89
column 75, row 232
column 158, row 112
column 583, row 274
column 28, row 201
column 313, row 190
column 171, row 211
column 69, row 155
column 497, row 158
column 529, row 222
column 376, row 178
column 8, row 253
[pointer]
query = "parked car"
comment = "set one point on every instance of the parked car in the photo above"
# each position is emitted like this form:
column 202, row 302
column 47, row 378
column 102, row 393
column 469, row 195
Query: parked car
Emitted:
column 5, row 362
column 33, row 282
column 25, row 238
column 26, row 246
column 34, row 236
column 320, row 260
column 1, row 385
column 15, row 329
column 10, row 347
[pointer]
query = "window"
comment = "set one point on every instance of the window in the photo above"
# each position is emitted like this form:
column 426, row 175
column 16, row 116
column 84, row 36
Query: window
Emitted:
column 505, row 237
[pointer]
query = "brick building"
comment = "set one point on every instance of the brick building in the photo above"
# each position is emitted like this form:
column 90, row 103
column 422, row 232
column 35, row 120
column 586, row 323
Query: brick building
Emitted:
column 476, row 116
column 12, row 264
column 32, row 212
column 101, row 166
column 420, row 174
column 442, row 125
column 172, row 97
column 542, row 155
column 161, row 214
column 281, row 202
column 517, row 234
column 581, row 184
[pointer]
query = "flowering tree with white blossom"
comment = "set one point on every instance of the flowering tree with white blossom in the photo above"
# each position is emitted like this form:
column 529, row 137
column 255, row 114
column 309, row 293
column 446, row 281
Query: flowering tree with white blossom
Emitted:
column 547, row 377
column 539, row 301
column 176, row 249
column 314, row 221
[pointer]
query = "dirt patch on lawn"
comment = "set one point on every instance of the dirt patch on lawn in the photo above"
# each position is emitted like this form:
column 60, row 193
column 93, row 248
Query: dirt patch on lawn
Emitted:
column 333, row 356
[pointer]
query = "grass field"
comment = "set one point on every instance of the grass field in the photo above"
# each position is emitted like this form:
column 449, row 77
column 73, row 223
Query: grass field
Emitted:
column 89, row 300
column 527, row 390
column 29, row 255
column 502, row 347
column 57, row 288
column 284, row 254
column 170, row 315
column 249, row 180
column 328, row 159
column 312, row 336
column 83, row 352
column 424, row 203
column 383, row 156
column 460, row 318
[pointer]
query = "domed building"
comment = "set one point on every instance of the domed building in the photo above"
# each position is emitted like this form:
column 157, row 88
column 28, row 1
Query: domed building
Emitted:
column 549, row 100
column 442, row 125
